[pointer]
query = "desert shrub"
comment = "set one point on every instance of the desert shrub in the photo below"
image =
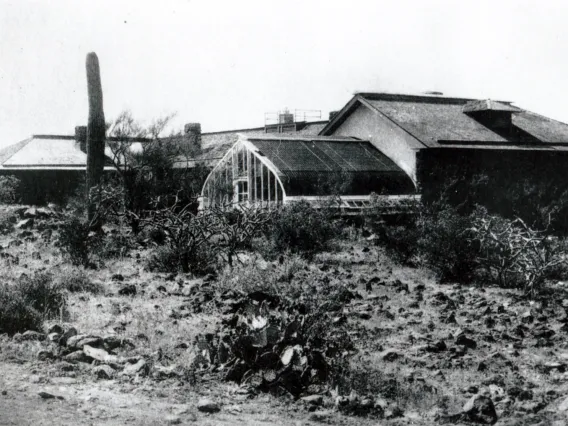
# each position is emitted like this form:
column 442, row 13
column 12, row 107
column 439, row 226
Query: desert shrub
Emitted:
column 513, row 254
column 301, row 228
column 200, row 260
column 16, row 314
column 445, row 244
column 401, row 241
column 187, row 235
column 399, row 236
column 77, row 241
column 9, row 189
column 29, row 301
column 114, row 245
column 235, row 229
column 76, row 280
column 7, row 221
column 42, row 293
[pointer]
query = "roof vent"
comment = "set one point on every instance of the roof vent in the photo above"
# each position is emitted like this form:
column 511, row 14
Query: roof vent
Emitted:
column 433, row 93
column 492, row 114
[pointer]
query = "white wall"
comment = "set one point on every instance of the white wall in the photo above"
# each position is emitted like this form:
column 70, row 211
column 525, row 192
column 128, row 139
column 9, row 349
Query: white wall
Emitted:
column 390, row 139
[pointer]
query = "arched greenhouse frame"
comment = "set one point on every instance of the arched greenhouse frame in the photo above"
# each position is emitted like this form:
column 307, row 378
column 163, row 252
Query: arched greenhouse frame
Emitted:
column 270, row 171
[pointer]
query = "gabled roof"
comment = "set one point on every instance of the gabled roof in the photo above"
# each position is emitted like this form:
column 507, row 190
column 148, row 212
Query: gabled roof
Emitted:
column 437, row 120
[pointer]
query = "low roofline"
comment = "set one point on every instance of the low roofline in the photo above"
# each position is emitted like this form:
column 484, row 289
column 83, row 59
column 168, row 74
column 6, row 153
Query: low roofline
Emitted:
column 252, row 129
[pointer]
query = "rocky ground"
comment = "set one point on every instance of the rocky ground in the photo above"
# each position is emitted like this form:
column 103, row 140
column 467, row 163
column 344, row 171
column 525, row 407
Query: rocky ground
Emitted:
column 148, row 348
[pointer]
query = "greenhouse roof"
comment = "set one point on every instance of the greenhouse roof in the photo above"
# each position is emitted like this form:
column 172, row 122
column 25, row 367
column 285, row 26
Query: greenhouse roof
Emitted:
column 322, row 154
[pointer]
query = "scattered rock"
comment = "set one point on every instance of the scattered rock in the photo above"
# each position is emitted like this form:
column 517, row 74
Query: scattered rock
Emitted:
column 313, row 399
column 563, row 406
column 104, row 372
column 67, row 335
column 128, row 290
column 463, row 340
column 29, row 335
column 480, row 409
column 47, row 395
column 77, row 356
column 55, row 328
column 80, row 340
column 206, row 405
column 173, row 420
column 132, row 369
column 390, row 355
column 323, row 416
column 44, row 355
column 25, row 224
column 99, row 354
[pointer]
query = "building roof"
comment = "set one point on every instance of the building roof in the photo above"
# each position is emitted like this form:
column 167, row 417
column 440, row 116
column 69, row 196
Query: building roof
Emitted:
column 292, row 154
column 436, row 120
column 43, row 152
column 48, row 152
column 214, row 145
column 312, row 165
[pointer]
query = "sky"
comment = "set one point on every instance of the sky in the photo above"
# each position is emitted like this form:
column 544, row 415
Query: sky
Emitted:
column 225, row 63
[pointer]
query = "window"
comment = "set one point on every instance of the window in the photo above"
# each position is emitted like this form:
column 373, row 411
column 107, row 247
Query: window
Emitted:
column 242, row 191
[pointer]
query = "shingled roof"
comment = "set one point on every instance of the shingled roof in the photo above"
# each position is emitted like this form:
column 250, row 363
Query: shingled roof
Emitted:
column 437, row 120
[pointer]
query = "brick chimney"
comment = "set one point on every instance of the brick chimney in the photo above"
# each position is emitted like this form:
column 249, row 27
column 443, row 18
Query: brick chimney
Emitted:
column 81, row 138
column 192, row 135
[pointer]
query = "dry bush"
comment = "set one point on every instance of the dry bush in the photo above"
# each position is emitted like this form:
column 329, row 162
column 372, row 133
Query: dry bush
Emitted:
column 9, row 189
column 301, row 228
column 76, row 241
column 445, row 246
column 7, row 221
column 513, row 254
column 28, row 302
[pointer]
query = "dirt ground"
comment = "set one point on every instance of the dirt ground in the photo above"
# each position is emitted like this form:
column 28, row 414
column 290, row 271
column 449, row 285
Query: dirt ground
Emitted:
column 423, row 349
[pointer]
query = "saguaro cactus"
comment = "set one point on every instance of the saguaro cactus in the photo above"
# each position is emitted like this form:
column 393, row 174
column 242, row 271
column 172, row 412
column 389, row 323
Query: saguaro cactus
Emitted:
column 95, row 129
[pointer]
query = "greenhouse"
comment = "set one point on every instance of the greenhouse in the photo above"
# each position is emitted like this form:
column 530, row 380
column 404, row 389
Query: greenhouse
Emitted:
column 271, row 170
